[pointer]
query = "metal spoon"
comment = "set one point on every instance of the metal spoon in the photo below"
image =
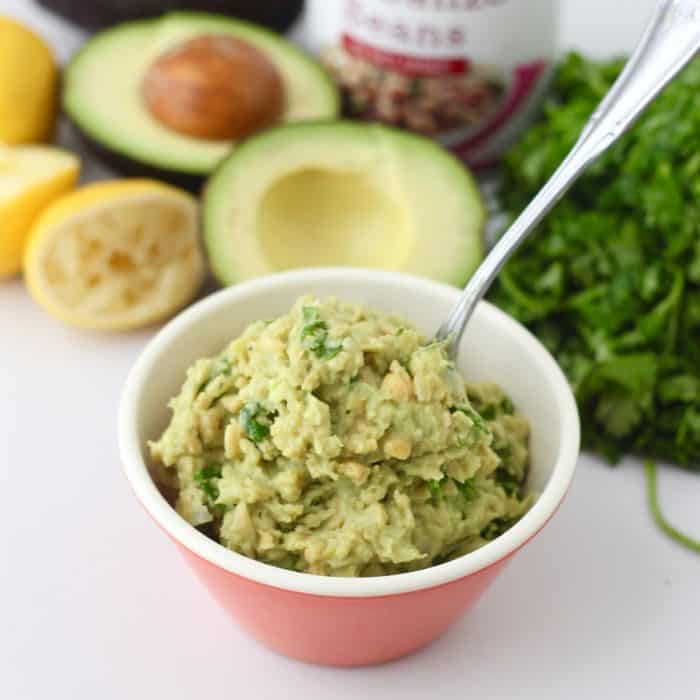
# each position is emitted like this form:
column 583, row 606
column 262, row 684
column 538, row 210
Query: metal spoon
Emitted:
column 670, row 41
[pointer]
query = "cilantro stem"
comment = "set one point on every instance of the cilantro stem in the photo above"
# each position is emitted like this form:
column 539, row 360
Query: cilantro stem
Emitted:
column 659, row 519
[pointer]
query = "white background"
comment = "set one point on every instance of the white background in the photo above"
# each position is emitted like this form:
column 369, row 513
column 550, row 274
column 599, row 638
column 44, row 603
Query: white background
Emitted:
column 96, row 603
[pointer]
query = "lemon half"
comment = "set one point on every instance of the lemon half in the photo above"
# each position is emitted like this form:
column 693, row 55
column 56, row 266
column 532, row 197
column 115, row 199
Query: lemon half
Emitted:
column 30, row 178
column 116, row 255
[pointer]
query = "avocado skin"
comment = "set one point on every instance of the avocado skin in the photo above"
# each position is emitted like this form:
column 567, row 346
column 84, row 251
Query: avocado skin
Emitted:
column 275, row 14
column 130, row 167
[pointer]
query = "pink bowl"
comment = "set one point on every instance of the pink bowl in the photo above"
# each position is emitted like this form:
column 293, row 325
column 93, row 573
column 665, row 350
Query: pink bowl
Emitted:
column 350, row 621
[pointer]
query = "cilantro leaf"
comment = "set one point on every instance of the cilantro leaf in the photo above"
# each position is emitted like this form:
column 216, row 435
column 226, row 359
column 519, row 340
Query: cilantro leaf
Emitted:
column 256, row 421
column 314, row 335
column 204, row 478
column 468, row 489
column 497, row 527
column 507, row 481
column 478, row 422
column 222, row 367
column 489, row 412
column 436, row 486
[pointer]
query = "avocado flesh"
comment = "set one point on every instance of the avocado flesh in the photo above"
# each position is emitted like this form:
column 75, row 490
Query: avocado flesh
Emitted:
column 102, row 89
column 342, row 194
column 315, row 217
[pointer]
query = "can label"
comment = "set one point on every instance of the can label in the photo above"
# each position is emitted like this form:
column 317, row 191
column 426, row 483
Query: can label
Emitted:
column 467, row 72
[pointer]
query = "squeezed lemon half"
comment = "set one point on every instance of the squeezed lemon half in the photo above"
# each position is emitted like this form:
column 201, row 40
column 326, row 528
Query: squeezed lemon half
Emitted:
column 116, row 255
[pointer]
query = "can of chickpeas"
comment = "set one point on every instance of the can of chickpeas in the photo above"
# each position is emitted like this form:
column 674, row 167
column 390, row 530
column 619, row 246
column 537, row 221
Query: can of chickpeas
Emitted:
column 469, row 73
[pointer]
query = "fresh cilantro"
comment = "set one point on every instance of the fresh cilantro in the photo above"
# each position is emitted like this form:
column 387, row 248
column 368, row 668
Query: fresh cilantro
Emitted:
column 497, row 527
column 659, row 517
column 211, row 472
column 313, row 323
column 218, row 509
column 436, row 486
column 507, row 481
column 468, row 490
column 325, row 349
column 478, row 422
column 314, row 335
column 222, row 367
column 611, row 281
column 488, row 412
column 504, row 453
column 210, row 489
column 204, row 478
column 256, row 420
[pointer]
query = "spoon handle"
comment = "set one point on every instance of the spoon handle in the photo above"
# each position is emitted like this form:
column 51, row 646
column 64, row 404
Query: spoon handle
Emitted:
column 670, row 41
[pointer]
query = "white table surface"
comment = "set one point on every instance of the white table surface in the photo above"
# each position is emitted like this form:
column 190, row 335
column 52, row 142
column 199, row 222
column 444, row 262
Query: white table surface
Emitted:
column 96, row 603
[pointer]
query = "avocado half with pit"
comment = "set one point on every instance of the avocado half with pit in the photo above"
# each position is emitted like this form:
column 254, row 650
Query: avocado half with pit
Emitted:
column 342, row 193
column 169, row 97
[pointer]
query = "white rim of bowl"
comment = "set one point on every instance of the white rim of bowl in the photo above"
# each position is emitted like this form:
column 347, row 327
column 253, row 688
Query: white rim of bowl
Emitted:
column 162, row 512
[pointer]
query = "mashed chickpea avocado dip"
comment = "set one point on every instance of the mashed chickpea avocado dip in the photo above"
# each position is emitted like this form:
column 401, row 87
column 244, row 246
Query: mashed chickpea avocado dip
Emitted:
column 334, row 441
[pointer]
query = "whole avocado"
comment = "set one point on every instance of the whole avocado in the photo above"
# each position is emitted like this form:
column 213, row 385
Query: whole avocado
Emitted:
column 275, row 14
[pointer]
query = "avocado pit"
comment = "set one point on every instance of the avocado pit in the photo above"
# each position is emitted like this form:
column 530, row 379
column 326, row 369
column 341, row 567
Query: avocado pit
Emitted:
column 214, row 87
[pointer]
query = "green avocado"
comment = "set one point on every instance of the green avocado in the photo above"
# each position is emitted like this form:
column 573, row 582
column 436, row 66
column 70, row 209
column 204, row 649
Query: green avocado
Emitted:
column 102, row 92
column 342, row 193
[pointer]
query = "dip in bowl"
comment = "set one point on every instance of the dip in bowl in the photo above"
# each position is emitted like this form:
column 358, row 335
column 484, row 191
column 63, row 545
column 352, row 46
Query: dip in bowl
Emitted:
column 337, row 440
column 345, row 620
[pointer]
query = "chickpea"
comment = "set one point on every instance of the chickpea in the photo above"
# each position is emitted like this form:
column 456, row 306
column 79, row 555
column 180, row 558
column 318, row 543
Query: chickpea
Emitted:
column 233, row 404
column 242, row 525
column 398, row 448
column 209, row 426
column 272, row 345
column 357, row 472
column 232, row 440
column 400, row 388
column 266, row 540
column 194, row 444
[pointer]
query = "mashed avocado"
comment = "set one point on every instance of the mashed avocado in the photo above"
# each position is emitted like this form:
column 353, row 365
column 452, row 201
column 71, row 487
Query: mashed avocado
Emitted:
column 334, row 441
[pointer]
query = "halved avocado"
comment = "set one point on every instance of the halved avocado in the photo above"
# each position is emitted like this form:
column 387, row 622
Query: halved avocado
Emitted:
column 103, row 91
column 342, row 193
